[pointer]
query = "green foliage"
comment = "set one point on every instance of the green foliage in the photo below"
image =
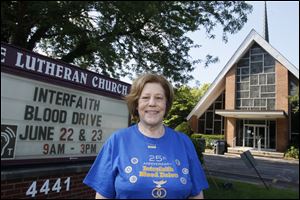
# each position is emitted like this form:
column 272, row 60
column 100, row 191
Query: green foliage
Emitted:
column 196, row 136
column 210, row 138
column 185, row 100
column 199, row 144
column 294, row 101
column 184, row 128
column 118, row 38
column 292, row 152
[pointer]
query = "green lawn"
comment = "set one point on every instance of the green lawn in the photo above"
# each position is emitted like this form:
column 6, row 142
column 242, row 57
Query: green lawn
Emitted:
column 242, row 190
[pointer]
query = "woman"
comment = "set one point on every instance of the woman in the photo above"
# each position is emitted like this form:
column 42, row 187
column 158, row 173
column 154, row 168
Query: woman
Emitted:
column 148, row 160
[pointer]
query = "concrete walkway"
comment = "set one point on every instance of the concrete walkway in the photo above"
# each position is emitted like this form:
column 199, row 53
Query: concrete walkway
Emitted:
column 274, row 172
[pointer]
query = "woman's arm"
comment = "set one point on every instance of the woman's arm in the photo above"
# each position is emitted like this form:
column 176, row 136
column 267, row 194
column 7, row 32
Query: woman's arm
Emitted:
column 198, row 196
column 99, row 196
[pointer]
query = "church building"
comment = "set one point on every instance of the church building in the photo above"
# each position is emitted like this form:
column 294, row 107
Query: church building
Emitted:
column 249, row 101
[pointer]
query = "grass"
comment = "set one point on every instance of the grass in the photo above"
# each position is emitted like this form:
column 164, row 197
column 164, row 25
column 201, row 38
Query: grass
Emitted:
column 222, row 189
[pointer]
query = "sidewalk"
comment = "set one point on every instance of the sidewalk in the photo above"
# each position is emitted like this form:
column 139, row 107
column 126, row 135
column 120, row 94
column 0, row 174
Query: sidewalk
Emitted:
column 289, row 160
column 275, row 172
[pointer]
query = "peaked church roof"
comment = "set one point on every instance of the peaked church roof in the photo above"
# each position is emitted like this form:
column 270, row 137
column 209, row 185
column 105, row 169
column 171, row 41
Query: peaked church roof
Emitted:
column 218, row 85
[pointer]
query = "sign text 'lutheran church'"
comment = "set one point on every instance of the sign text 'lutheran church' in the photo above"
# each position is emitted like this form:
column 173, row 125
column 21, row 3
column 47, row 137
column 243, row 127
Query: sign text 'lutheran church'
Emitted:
column 53, row 111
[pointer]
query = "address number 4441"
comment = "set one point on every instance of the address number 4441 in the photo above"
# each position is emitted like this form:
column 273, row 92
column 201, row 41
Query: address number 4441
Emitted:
column 56, row 187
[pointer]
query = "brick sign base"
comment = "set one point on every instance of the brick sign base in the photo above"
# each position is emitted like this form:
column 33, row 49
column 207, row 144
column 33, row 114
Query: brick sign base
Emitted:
column 46, row 182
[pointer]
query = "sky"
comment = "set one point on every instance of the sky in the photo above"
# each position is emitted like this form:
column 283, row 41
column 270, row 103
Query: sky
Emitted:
column 283, row 25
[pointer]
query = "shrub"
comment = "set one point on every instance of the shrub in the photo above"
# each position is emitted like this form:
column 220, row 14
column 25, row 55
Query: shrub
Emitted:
column 199, row 144
column 184, row 127
column 210, row 138
column 292, row 152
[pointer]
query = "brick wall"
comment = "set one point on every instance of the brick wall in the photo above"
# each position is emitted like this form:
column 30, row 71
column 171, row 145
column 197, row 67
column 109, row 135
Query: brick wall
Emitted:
column 230, row 90
column 230, row 133
column 230, row 105
column 66, row 185
column 282, row 132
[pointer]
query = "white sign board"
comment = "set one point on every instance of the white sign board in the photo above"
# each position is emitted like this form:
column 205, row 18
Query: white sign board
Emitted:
column 40, row 120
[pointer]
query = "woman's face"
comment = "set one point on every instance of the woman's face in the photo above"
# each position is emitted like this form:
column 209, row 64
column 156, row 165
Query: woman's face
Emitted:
column 152, row 104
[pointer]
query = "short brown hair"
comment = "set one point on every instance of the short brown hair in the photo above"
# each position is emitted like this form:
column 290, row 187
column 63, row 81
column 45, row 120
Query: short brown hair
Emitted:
column 138, row 86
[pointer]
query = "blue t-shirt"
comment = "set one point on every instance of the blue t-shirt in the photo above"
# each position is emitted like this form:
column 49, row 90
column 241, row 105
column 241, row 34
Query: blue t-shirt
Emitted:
column 131, row 165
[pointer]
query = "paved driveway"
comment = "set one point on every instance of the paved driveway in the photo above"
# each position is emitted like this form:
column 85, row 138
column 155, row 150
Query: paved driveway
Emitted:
column 275, row 172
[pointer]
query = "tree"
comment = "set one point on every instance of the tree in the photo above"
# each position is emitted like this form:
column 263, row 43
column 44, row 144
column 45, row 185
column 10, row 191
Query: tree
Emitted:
column 294, row 104
column 185, row 100
column 294, row 101
column 118, row 38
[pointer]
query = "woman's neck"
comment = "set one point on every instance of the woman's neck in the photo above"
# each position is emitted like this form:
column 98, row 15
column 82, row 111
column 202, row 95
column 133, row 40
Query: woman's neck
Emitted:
column 156, row 131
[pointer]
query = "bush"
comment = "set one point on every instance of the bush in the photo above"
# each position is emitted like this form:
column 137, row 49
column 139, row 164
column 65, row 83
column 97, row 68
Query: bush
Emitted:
column 209, row 139
column 184, row 127
column 199, row 144
column 292, row 152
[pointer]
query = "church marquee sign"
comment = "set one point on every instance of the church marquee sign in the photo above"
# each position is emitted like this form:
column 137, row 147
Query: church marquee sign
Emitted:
column 52, row 111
